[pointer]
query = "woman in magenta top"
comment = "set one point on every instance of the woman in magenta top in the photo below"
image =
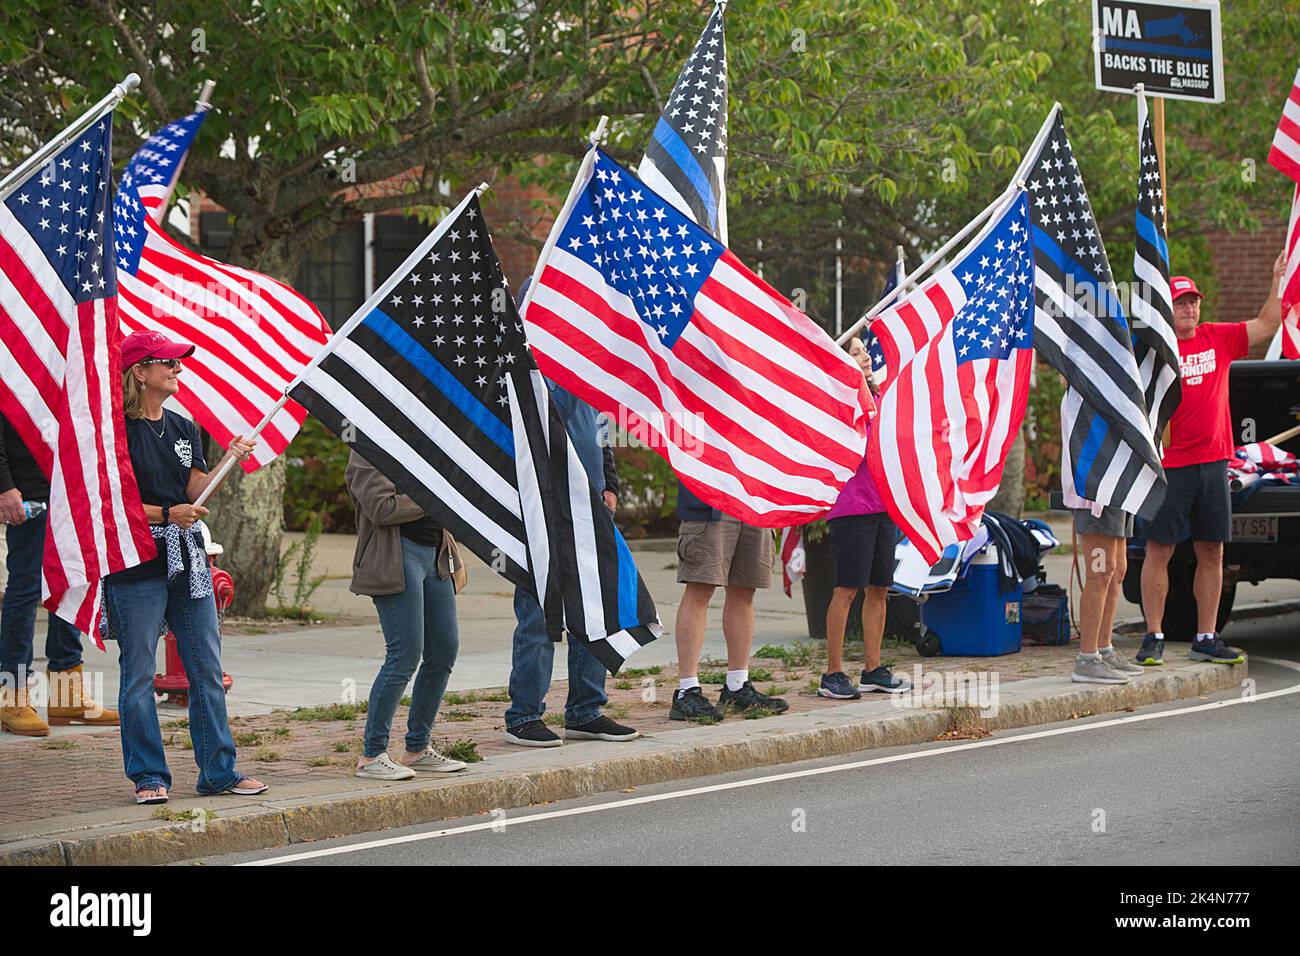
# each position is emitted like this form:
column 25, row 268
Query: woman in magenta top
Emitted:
column 862, row 545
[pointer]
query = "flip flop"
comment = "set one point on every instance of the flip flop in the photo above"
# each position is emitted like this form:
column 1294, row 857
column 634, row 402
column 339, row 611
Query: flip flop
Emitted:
column 243, row 789
column 159, row 795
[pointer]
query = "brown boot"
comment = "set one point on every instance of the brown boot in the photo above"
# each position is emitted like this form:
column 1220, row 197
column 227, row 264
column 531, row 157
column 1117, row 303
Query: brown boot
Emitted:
column 18, row 716
column 70, row 704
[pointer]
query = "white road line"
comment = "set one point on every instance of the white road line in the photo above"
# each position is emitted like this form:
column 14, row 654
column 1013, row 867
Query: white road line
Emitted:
column 501, row 824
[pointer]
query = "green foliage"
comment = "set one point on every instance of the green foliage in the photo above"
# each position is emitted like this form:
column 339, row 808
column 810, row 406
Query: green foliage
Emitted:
column 465, row 751
column 314, row 483
column 300, row 554
column 330, row 712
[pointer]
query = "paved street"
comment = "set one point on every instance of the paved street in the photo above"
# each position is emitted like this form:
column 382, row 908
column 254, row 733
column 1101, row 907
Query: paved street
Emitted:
column 1201, row 785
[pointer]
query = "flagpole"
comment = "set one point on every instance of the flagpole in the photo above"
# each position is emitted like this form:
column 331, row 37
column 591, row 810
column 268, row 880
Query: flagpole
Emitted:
column 357, row 317
column 584, row 169
column 57, row 144
column 929, row 263
column 202, row 106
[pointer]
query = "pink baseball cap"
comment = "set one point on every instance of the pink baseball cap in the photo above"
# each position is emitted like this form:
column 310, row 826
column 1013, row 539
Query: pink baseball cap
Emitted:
column 1181, row 286
column 147, row 343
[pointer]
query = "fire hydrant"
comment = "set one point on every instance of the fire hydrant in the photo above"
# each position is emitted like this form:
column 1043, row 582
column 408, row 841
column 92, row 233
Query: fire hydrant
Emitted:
column 173, row 682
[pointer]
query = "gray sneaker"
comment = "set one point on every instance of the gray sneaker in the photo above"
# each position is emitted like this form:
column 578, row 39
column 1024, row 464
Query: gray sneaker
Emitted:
column 431, row 761
column 1094, row 670
column 1116, row 661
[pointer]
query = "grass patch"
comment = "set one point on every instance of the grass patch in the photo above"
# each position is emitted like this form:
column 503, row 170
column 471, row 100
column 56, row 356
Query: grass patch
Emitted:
column 248, row 739
column 267, row 755
column 342, row 747
column 405, row 701
column 181, row 724
column 330, row 712
column 798, row 654
column 617, row 711
column 777, row 691
column 760, row 675
column 458, row 716
column 705, row 720
column 463, row 750
column 756, row 713
column 499, row 697
column 634, row 672
column 623, row 684
column 281, row 732
column 555, row 720
column 186, row 816
column 319, row 762
column 713, row 677
column 58, row 745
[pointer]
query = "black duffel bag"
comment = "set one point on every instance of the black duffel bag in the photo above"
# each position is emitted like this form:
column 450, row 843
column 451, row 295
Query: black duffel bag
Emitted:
column 1045, row 616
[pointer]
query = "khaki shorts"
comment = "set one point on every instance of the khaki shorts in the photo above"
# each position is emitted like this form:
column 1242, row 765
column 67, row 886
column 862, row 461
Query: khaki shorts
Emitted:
column 726, row 552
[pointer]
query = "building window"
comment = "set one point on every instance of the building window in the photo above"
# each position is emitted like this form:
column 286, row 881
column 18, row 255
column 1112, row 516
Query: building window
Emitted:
column 395, row 238
column 332, row 275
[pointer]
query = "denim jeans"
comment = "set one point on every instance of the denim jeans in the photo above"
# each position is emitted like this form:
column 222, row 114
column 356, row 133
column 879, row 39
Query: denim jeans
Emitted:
column 139, row 609
column 532, row 658
column 26, row 544
column 420, row 629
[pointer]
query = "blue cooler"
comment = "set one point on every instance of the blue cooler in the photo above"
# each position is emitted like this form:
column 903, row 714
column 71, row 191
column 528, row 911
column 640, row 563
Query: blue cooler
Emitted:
column 974, row 617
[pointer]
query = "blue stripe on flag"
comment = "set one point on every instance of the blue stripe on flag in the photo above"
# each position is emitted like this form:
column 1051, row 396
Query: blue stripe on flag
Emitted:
column 667, row 137
column 1083, row 278
column 627, row 590
column 433, row 370
column 1088, row 453
column 1147, row 230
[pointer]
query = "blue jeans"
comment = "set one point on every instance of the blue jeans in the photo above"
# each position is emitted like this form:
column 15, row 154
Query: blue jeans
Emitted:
column 532, row 658
column 420, row 630
column 26, row 543
column 138, row 609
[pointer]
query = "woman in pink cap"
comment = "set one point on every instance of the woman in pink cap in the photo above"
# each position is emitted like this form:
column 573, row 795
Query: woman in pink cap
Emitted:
column 174, row 590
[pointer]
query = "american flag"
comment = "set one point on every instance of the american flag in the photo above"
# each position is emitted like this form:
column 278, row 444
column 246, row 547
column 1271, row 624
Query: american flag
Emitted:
column 253, row 334
column 961, row 348
column 431, row 383
column 873, row 346
column 1108, row 455
column 687, row 156
column 1285, row 156
column 641, row 313
column 1155, row 347
column 61, row 386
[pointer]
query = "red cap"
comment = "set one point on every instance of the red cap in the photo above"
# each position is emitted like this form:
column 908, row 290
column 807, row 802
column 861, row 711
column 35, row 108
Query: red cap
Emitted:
column 1181, row 286
column 147, row 343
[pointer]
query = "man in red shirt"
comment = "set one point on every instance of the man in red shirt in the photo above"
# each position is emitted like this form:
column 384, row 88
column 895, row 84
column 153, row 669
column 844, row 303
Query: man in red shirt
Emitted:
column 1196, row 465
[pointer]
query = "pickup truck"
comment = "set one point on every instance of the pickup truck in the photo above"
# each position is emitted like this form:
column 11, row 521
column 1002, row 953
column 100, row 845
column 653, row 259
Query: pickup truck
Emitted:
column 1265, row 400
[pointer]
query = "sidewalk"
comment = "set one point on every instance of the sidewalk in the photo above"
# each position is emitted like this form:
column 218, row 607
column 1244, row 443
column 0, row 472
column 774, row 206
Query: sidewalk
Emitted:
column 64, row 799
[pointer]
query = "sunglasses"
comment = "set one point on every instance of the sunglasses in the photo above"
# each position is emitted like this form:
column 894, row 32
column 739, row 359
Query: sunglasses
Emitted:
column 172, row 364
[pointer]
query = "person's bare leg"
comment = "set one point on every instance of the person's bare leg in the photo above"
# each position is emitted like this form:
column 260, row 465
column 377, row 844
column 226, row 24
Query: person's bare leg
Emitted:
column 1208, row 586
column 1105, row 631
column 1098, row 554
column 837, row 619
column 873, row 626
column 692, row 615
column 738, row 626
column 1155, row 584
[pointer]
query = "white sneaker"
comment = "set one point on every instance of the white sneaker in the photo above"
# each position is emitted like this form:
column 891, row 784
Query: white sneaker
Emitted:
column 383, row 768
column 1115, row 662
column 433, row 762
column 1096, row 671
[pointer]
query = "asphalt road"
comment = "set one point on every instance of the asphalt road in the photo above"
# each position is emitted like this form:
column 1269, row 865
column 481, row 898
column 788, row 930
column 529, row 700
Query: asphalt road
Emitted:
column 1198, row 786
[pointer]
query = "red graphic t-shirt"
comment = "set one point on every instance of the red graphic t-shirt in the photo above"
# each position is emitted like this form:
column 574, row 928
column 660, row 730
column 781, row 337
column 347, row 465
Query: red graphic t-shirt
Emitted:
column 1201, row 429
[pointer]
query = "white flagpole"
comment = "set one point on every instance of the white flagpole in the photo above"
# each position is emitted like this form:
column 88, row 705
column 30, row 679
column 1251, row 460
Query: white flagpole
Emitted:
column 357, row 317
column 584, row 172
column 79, row 126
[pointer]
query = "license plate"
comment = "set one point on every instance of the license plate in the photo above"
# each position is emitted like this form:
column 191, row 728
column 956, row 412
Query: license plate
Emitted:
column 1254, row 528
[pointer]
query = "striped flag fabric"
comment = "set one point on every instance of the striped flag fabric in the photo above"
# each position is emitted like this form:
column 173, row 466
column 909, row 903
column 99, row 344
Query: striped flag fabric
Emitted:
column 641, row 313
column 1285, row 157
column 1155, row 347
column 431, row 383
column 961, row 347
column 253, row 334
column 1108, row 456
column 61, row 386
column 687, row 157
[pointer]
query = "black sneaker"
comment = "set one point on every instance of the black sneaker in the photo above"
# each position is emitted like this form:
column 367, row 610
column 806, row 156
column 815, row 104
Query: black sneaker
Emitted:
column 533, row 734
column 692, row 705
column 747, row 698
column 1216, row 650
column 602, row 728
column 1152, row 651
column 883, row 679
column 837, row 686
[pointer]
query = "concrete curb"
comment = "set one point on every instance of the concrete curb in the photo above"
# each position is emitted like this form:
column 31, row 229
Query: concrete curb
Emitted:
column 732, row 746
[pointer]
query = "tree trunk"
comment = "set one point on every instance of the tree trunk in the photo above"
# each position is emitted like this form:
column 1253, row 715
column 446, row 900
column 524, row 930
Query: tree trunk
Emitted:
column 1010, row 497
column 247, row 518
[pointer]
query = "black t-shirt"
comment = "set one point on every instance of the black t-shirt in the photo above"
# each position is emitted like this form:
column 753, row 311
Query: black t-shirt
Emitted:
column 423, row 531
column 162, row 454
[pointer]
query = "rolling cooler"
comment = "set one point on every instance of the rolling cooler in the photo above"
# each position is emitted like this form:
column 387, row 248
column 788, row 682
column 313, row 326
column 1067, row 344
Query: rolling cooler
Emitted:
column 974, row 617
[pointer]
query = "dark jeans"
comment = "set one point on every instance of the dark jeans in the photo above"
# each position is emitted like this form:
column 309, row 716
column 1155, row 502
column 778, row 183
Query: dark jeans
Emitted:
column 26, row 543
column 420, row 630
column 533, row 656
